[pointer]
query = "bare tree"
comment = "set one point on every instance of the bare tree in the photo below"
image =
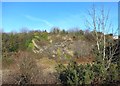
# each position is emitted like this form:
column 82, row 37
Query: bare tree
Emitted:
column 101, row 23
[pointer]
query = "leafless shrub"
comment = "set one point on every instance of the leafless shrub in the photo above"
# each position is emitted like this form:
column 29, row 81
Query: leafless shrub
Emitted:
column 29, row 72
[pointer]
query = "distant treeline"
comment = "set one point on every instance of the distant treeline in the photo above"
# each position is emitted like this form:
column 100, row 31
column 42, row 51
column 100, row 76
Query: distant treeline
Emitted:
column 19, row 41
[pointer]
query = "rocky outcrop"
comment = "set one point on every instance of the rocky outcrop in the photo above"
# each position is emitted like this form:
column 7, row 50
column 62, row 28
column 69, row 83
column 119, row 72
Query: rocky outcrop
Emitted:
column 66, row 47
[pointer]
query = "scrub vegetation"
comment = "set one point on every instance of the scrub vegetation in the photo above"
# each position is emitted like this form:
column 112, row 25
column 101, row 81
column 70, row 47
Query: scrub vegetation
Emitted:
column 74, row 57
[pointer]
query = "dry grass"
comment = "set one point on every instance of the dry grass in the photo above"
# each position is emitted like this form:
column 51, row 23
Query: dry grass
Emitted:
column 39, row 70
column 47, row 65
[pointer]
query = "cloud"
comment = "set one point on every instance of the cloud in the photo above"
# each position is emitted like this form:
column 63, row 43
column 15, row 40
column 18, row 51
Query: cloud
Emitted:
column 38, row 19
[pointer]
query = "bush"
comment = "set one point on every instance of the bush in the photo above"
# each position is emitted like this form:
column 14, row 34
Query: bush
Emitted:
column 75, row 74
column 7, row 60
column 89, row 37
column 28, row 69
column 113, row 73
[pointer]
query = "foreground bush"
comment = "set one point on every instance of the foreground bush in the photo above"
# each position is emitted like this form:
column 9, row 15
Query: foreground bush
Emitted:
column 28, row 69
column 74, row 74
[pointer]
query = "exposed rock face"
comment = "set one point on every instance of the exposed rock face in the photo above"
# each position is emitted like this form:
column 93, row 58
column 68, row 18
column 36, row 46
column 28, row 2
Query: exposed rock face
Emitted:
column 69, row 47
column 50, row 41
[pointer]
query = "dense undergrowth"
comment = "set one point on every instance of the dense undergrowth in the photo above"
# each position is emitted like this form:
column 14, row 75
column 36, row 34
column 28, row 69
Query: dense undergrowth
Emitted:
column 89, row 74
column 72, row 74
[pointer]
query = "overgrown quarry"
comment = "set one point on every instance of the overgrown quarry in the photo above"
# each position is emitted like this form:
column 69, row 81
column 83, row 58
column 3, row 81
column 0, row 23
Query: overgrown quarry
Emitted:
column 58, row 57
